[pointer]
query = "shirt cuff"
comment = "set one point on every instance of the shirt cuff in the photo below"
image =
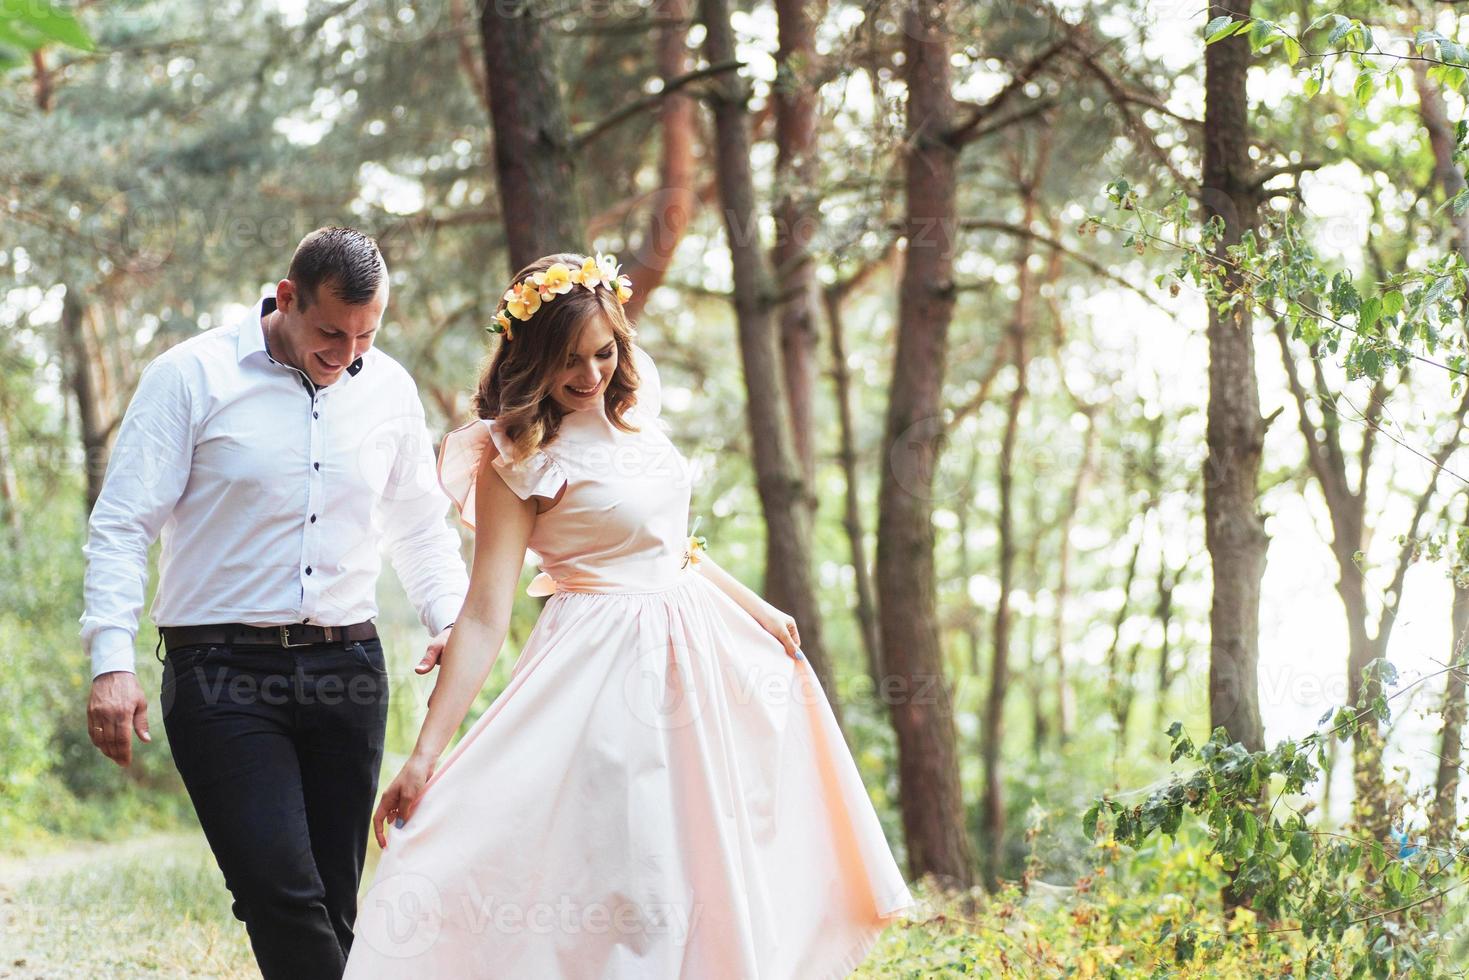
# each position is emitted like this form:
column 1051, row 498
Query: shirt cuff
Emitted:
column 443, row 611
column 112, row 649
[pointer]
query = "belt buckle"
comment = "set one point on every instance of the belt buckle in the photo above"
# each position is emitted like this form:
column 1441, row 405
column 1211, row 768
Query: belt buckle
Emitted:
column 286, row 639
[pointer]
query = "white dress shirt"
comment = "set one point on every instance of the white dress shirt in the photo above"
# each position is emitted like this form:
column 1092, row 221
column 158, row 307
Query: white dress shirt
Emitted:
column 273, row 502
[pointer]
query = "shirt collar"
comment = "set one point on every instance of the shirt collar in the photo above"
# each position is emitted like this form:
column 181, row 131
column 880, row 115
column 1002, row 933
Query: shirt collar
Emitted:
column 252, row 335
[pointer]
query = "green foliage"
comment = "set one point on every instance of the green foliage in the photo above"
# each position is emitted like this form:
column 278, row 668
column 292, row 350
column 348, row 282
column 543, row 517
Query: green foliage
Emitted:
column 29, row 25
column 1375, row 901
column 1274, row 270
column 1351, row 40
column 54, row 781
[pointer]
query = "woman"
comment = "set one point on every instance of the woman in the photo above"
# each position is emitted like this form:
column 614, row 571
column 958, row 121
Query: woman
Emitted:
column 661, row 790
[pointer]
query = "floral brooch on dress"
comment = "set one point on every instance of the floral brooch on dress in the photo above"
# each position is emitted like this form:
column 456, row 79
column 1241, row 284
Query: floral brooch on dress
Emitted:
column 523, row 298
column 697, row 544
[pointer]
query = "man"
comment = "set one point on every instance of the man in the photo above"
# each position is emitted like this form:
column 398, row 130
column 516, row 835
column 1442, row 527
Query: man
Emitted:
column 274, row 455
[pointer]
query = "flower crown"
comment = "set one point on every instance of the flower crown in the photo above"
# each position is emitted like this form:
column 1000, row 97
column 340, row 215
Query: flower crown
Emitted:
column 525, row 297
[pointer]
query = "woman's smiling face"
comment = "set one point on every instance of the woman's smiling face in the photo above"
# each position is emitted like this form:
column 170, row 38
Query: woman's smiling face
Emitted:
column 581, row 383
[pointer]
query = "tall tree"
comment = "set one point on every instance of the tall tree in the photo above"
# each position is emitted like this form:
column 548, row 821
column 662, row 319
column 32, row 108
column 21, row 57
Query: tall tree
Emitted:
column 1018, row 335
column 674, row 203
column 77, row 357
column 783, row 491
column 796, row 216
column 1234, row 530
column 1443, row 812
column 864, row 603
column 1346, row 505
column 931, row 799
column 535, row 161
column 1329, row 460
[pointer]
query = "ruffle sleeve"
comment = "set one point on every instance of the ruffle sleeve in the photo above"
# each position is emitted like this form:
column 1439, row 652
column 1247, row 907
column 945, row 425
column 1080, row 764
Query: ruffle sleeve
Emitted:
column 459, row 462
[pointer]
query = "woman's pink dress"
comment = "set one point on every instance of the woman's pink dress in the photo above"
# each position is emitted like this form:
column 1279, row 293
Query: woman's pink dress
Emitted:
column 660, row 791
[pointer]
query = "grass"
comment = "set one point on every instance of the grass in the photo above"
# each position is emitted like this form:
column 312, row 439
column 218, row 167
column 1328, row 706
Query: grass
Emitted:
column 156, row 907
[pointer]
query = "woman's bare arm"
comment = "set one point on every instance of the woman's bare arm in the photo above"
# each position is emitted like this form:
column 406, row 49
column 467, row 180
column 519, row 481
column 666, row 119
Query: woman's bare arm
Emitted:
column 500, row 543
column 743, row 595
column 772, row 620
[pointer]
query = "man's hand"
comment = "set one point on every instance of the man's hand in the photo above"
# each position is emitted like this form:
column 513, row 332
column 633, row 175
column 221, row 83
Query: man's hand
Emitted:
column 115, row 710
column 434, row 652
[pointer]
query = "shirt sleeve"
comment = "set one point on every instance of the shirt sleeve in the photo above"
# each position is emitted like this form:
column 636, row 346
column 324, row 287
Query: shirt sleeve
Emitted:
column 146, row 474
column 423, row 547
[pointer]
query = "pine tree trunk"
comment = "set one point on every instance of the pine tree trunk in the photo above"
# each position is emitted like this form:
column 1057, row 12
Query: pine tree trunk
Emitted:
column 1018, row 344
column 535, row 166
column 866, row 610
column 1446, row 172
column 789, row 584
column 1233, row 528
column 1443, row 815
column 1065, row 700
column 918, row 694
column 673, row 204
column 77, row 358
column 797, row 217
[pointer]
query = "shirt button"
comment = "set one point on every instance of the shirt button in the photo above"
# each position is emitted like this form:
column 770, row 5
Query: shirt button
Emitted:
column 313, row 518
column 316, row 466
column 316, row 415
column 308, row 569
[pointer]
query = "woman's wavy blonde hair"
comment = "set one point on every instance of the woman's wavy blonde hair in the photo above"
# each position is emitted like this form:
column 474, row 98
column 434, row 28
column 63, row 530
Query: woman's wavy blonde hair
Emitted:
column 516, row 382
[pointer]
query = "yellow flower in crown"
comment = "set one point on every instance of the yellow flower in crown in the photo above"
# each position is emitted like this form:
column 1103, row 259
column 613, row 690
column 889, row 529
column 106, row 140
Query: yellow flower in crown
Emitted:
column 502, row 320
column 589, row 275
column 555, row 281
column 522, row 299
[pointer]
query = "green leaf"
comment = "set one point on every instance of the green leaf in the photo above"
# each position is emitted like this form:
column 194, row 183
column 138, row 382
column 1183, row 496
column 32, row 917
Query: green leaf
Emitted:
column 1362, row 88
column 1392, row 303
column 1292, row 49
column 1301, row 847
column 50, row 22
column 1370, row 313
column 12, row 37
column 1425, row 37
column 1218, row 28
column 1260, row 33
column 1089, row 821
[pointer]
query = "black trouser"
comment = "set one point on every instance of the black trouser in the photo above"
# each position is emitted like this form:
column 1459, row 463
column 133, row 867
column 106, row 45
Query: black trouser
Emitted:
column 280, row 751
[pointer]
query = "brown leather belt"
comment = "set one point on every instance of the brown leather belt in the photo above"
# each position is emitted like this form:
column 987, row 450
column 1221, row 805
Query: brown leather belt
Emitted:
column 291, row 635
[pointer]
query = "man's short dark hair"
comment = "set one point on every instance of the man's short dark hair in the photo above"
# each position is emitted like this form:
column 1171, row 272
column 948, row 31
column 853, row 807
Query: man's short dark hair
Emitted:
column 343, row 259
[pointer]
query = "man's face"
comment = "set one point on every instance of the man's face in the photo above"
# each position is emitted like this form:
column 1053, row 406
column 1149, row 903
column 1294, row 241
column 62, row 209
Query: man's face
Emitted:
column 328, row 335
